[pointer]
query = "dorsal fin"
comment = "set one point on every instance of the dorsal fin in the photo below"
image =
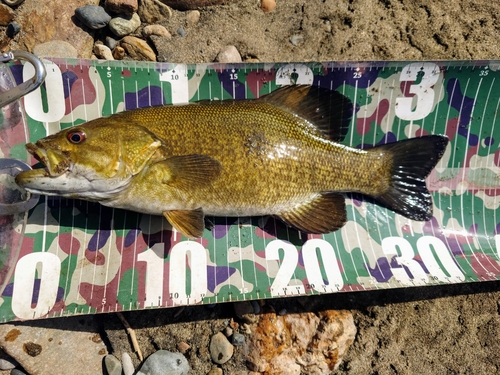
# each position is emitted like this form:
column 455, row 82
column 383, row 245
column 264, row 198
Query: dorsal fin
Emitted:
column 329, row 111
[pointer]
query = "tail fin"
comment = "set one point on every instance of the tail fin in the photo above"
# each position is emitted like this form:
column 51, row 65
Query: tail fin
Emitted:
column 413, row 160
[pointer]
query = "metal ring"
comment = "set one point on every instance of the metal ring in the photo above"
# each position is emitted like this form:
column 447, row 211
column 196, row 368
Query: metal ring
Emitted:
column 27, row 86
column 13, row 2
column 21, row 206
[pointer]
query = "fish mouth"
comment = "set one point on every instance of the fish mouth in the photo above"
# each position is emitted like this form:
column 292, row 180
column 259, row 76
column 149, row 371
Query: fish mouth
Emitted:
column 54, row 162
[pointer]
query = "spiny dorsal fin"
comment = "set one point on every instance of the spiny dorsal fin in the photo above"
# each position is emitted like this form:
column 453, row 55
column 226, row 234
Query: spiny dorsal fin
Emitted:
column 190, row 223
column 329, row 111
column 324, row 214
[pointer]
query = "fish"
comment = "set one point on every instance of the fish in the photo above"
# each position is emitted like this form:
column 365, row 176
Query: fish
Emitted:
column 279, row 155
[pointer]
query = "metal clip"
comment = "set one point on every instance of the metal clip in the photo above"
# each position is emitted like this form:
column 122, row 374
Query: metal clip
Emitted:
column 10, row 192
column 27, row 86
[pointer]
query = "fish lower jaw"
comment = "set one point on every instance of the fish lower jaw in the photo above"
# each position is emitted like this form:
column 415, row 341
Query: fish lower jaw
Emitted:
column 68, row 185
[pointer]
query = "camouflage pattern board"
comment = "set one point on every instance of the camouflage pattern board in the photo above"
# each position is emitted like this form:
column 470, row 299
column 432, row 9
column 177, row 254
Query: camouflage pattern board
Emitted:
column 67, row 257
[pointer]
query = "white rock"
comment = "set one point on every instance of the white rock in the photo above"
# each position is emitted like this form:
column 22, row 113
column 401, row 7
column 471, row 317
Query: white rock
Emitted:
column 128, row 366
column 158, row 30
column 221, row 349
column 103, row 52
column 7, row 364
column 193, row 16
column 228, row 54
column 164, row 362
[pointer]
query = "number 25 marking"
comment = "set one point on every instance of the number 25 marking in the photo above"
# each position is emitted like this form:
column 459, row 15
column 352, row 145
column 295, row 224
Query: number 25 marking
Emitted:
column 423, row 91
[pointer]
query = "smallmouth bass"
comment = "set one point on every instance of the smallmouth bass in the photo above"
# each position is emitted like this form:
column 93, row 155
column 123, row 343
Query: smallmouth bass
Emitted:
column 278, row 155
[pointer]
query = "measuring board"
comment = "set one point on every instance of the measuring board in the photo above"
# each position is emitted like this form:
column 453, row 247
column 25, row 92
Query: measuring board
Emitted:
column 67, row 257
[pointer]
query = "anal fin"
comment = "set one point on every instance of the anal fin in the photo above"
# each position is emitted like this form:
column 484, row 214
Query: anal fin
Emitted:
column 190, row 223
column 324, row 214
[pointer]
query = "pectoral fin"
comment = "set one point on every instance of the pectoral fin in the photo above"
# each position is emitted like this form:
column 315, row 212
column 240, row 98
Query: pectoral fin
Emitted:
column 190, row 223
column 324, row 214
column 188, row 171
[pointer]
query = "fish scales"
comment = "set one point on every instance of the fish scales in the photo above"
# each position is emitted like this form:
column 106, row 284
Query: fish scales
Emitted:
column 270, row 160
column 279, row 155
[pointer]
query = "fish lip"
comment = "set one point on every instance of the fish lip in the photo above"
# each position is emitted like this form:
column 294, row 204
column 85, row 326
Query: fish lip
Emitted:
column 38, row 153
column 55, row 164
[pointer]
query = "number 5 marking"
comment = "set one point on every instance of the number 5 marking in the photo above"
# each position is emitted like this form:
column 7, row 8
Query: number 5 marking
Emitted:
column 423, row 91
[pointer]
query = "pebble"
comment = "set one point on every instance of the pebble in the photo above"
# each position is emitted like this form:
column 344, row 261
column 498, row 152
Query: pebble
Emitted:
column 93, row 16
column 6, row 15
column 327, row 26
column 137, row 49
column 238, row 339
column 242, row 308
column 183, row 347
column 103, row 52
column 158, row 30
column 128, row 366
column 181, row 32
column 221, row 349
column 55, row 48
column 228, row 54
column 228, row 331
column 12, row 29
column 282, row 312
column 296, row 39
column 301, row 343
column 118, row 53
column 153, row 11
column 193, row 16
column 16, row 371
column 127, row 7
column 164, row 362
column 245, row 310
column 256, row 307
column 7, row 364
column 122, row 26
column 215, row 371
column 113, row 365
column 111, row 42
column 267, row 5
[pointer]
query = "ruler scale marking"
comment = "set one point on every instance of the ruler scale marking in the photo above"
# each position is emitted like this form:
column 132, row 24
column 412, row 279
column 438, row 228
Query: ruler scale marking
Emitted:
column 462, row 230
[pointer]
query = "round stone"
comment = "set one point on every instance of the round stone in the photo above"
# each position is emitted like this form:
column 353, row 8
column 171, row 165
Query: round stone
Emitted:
column 122, row 26
column 138, row 49
column 103, row 52
column 164, row 362
column 118, row 53
column 12, row 29
column 221, row 349
column 93, row 16
column 113, row 365
column 267, row 5
column 228, row 54
column 157, row 30
column 296, row 39
column 55, row 48
column 193, row 16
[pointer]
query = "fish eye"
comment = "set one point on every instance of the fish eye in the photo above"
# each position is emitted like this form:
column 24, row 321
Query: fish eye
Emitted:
column 76, row 137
